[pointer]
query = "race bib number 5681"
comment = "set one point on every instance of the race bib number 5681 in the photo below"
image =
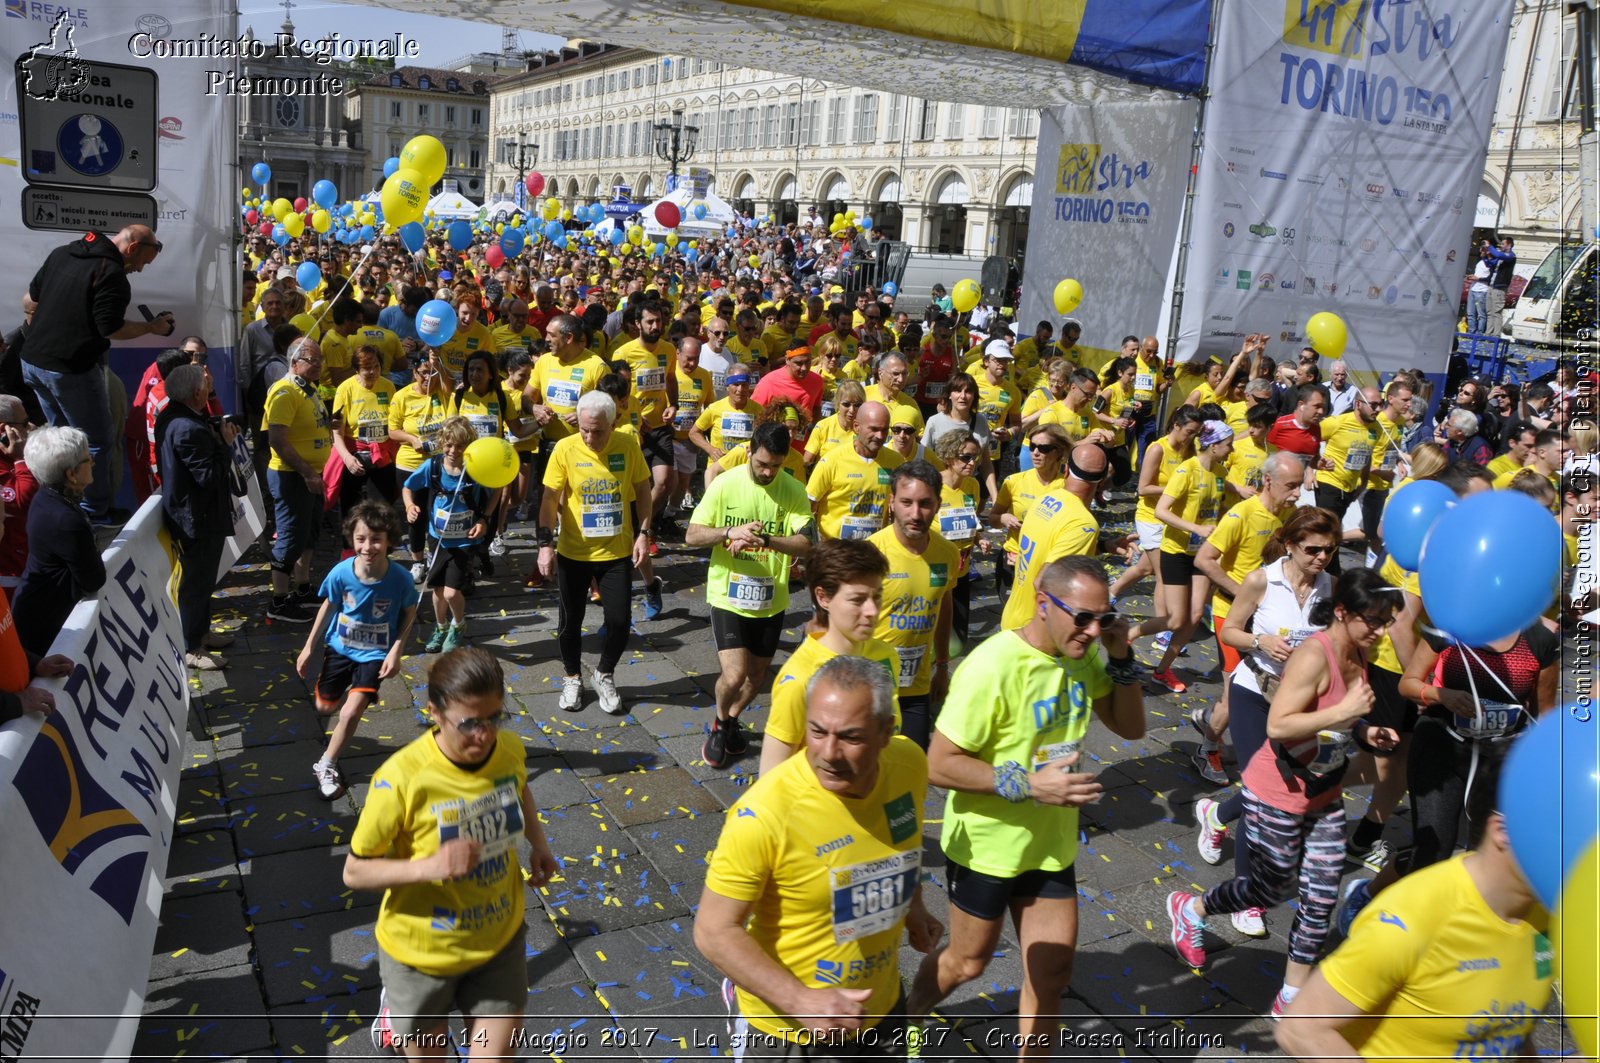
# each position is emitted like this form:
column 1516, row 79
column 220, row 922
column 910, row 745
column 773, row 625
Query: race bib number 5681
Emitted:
column 874, row 896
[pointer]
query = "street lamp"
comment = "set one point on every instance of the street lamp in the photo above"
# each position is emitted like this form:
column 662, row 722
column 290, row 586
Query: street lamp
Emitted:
column 675, row 142
column 527, row 158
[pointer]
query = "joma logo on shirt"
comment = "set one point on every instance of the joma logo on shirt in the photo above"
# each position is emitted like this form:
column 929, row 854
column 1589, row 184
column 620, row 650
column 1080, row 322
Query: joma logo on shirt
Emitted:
column 835, row 845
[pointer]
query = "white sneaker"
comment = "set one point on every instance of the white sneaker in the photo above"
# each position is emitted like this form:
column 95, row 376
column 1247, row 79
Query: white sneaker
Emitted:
column 1249, row 923
column 419, row 572
column 571, row 693
column 1212, row 830
column 605, row 687
column 497, row 546
column 329, row 784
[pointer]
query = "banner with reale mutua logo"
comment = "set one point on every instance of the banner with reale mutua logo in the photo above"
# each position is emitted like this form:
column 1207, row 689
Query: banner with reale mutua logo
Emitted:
column 1344, row 148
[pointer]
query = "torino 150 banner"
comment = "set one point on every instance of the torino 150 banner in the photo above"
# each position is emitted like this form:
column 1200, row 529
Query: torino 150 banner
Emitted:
column 1107, row 199
column 1344, row 150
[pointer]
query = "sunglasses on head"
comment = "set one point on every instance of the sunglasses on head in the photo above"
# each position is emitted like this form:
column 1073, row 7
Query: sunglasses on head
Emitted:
column 1083, row 617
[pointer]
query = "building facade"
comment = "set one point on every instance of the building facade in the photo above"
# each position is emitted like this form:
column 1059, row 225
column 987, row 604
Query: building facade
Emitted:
column 942, row 176
column 392, row 107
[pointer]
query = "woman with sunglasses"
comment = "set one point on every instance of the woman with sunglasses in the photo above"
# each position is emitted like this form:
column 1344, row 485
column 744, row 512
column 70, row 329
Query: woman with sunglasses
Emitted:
column 1161, row 459
column 958, row 520
column 959, row 410
column 361, row 403
column 1268, row 618
column 416, row 413
column 439, row 832
column 1056, row 379
column 1293, row 802
column 1047, row 446
column 839, row 426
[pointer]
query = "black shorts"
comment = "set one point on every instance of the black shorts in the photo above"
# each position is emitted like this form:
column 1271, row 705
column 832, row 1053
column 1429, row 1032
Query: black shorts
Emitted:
column 657, row 446
column 758, row 635
column 1176, row 569
column 452, row 566
column 527, row 457
column 340, row 675
column 1389, row 709
column 988, row 897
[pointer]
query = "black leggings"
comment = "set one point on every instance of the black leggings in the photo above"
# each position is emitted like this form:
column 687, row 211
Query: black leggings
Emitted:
column 417, row 530
column 379, row 481
column 961, row 607
column 1437, row 769
column 1247, row 726
column 572, row 581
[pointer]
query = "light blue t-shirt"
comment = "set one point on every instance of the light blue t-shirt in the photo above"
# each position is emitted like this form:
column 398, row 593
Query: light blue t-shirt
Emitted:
column 367, row 616
column 451, row 511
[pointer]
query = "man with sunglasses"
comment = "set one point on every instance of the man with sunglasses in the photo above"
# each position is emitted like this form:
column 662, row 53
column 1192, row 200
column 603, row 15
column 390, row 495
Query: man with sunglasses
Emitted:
column 715, row 357
column 1008, row 745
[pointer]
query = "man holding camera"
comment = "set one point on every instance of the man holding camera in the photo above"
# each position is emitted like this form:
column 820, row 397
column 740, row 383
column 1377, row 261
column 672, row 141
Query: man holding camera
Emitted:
column 65, row 357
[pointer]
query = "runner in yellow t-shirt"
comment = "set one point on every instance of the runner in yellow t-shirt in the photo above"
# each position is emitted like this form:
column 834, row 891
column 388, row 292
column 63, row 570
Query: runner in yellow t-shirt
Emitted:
column 849, row 489
column 470, row 337
column 361, row 406
column 695, row 392
column 1190, row 506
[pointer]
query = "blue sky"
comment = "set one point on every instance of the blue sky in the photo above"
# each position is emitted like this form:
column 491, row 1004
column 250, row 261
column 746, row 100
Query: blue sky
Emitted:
column 442, row 39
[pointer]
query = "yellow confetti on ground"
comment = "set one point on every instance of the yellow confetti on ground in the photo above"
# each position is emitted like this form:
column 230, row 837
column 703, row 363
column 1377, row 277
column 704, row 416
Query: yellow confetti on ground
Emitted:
column 600, row 954
column 180, row 952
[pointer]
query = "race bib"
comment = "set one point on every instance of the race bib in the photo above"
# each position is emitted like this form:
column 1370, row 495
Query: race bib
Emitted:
column 1499, row 719
column 859, row 527
column 1054, row 751
column 1294, row 636
column 602, row 520
column 959, row 525
column 1144, row 383
column 936, row 391
column 484, row 426
column 1333, row 749
column 827, row 408
column 362, row 636
column 719, row 383
column 737, row 427
column 686, row 417
column 753, row 592
column 872, row 897
column 1391, row 459
column 493, row 821
column 562, row 394
column 372, row 429
column 910, row 663
column 650, row 380
column 451, row 523
column 1358, row 457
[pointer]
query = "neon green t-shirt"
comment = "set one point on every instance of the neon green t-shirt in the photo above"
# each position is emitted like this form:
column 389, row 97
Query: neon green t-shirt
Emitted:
column 754, row 583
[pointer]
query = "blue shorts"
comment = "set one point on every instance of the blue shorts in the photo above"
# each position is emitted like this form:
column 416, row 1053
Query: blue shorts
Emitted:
column 297, row 514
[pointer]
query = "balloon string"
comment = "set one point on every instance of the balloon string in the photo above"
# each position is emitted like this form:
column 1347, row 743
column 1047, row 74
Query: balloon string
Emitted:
column 327, row 304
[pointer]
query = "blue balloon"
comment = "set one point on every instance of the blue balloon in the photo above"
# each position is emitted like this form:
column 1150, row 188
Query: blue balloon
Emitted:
column 618, row 237
column 1408, row 516
column 324, row 194
column 891, row 288
column 512, row 241
column 436, row 322
column 308, row 276
column 866, row 223
column 347, row 209
column 261, row 173
column 732, row 232
column 390, row 165
column 659, row 252
column 366, row 232
column 459, row 235
column 413, row 236
column 1489, row 566
column 1549, row 795
column 700, row 211
column 554, row 232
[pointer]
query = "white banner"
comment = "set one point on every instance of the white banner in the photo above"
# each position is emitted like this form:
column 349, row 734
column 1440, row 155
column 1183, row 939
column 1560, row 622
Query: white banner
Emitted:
column 1107, row 200
column 1344, row 149
column 197, row 184
column 87, row 802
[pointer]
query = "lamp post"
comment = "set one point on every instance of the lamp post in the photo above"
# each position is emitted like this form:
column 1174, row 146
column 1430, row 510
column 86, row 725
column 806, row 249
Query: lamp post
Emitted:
column 527, row 158
column 675, row 143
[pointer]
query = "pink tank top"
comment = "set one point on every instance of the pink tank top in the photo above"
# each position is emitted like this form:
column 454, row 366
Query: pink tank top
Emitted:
column 1262, row 776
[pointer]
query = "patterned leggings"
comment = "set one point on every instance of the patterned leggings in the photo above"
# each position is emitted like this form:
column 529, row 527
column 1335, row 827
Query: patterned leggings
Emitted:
column 1283, row 846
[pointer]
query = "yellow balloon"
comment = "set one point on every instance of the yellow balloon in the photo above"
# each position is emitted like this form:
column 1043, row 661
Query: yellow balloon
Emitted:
column 672, row 239
column 306, row 324
column 1326, row 334
column 636, row 234
column 624, row 249
column 368, row 218
column 966, row 295
column 281, row 207
column 694, row 243
column 755, row 261
column 245, row 192
column 838, row 218
column 1069, row 293
column 1574, row 929
column 404, row 197
column 294, row 224
column 491, row 461
column 321, row 221
column 425, row 155
column 552, row 210
column 566, row 213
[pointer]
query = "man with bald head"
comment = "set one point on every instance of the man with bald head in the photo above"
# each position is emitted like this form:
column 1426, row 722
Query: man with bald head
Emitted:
column 1149, row 382
column 849, row 488
column 1348, row 443
column 64, row 360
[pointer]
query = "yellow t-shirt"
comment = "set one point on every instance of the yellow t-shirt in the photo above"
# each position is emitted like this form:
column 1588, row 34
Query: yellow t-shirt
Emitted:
column 901, row 409
column 999, row 404
column 777, row 343
column 420, row 414
column 650, row 370
column 1244, row 463
column 1197, row 497
column 786, row 722
column 1076, row 423
column 1119, row 404
column 561, row 384
column 829, row 878
column 1038, row 400
column 958, row 518
column 794, row 463
column 1146, row 376
column 754, row 356
column 295, row 405
column 725, row 427
column 1017, row 495
column 365, row 412
column 1171, row 458
column 387, row 342
column 1059, row 525
column 453, row 355
column 694, row 392
column 595, row 521
column 1383, row 654
column 483, row 411
column 336, row 350
column 860, row 372
column 853, row 491
column 508, row 339
column 1386, row 455
column 827, row 434
column 1440, row 972
column 1505, row 463
column 913, row 593
column 1348, row 443
column 1241, row 535
column 419, row 800
column 531, row 442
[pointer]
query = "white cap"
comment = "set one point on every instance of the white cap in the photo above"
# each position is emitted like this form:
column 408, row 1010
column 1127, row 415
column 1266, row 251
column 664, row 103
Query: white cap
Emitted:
column 999, row 349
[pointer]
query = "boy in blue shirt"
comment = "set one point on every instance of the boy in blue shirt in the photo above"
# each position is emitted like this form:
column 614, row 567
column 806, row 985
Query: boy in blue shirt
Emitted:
column 460, row 515
column 368, row 606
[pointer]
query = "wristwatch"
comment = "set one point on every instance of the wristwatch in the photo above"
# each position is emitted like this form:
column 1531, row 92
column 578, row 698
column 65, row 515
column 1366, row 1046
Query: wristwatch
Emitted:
column 1255, row 642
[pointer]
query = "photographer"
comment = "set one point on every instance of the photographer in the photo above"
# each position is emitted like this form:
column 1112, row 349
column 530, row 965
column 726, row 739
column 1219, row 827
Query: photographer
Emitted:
column 17, row 488
column 196, row 501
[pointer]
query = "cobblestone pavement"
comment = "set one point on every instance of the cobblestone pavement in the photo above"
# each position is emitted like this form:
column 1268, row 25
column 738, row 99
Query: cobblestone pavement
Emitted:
column 264, row 952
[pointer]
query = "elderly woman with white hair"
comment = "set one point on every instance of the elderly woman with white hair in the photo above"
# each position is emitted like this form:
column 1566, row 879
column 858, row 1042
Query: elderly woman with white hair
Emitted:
column 597, row 483
column 64, row 565
column 1459, row 434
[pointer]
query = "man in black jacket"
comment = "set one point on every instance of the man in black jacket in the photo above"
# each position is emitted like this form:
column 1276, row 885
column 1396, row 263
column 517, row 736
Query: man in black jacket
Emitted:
column 197, row 502
column 83, row 294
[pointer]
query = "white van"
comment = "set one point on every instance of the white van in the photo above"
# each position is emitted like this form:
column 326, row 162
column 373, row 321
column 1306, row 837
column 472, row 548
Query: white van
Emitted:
column 1559, row 311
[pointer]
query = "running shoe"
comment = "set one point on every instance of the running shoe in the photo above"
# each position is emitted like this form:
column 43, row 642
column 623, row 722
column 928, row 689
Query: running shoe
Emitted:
column 1170, row 681
column 738, row 741
column 455, row 638
column 203, row 662
column 485, row 566
column 435, row 641
column 1163, row 640
column 382, row 1031
column 497, row 546
column 306, row 594
column 419, row 572
column 1251, row 922
column 605, row 688
column 288, row 609
column 1212, row 830
column 1199, row 718
column 1208, row 762
column 652, row 599
column 571, row 693
column 1188, row 930
column 1357, row 895
column 330, row 784
column 715, row 750
column 1373, row 858
column 534, row 580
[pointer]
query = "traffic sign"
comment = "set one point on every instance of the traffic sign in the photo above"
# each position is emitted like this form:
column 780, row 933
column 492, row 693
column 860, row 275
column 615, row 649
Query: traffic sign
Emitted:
column 96, row 130
column 80, row 210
